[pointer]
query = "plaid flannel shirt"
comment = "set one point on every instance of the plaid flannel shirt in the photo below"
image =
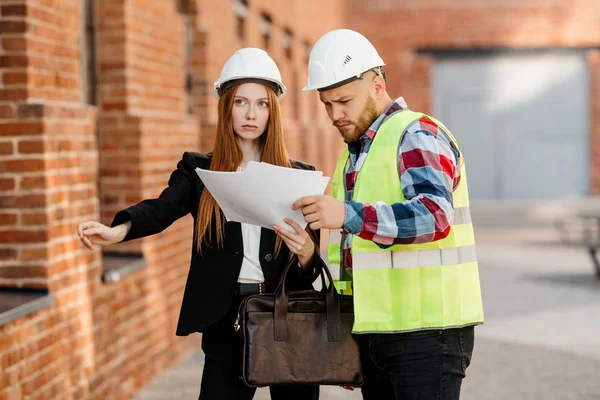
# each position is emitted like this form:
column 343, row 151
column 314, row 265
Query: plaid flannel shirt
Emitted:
column 429, row 170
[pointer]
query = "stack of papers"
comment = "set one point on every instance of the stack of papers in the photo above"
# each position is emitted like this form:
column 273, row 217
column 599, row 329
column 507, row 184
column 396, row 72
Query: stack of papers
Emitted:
column 263, row 194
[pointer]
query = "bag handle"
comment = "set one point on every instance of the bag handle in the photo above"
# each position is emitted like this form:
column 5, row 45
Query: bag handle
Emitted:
column 291, row 262
column 334, row 323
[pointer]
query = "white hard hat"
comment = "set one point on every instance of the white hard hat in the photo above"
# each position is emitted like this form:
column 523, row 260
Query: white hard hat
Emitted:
column 340, row 55
column 250, row 63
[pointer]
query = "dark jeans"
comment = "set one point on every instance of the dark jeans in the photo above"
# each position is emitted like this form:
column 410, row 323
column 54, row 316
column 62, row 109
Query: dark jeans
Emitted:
column 222, row 366
column 424, row 365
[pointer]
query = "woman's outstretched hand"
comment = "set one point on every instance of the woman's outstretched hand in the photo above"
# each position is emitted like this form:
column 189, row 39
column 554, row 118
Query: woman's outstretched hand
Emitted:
column 92, row 233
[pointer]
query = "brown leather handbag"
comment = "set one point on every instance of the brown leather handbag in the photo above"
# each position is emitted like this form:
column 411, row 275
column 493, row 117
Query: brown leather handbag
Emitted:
column 299, row 337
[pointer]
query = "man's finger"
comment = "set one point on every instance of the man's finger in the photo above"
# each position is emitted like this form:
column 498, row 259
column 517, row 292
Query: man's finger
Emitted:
column 312, row 217
column 316, row 225
column 304, row 201
column 309, row 209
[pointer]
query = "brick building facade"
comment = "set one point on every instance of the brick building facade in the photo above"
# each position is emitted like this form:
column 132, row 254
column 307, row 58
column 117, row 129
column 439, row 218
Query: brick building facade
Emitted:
column 98, row 100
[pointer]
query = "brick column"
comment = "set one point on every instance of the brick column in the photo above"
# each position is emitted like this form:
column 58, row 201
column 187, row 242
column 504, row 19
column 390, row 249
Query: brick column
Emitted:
column 47, row 148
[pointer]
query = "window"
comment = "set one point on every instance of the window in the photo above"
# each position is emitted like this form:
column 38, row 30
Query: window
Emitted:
column 185, row 8
column 265, row 29
column 314, row 100
column 288, row 43
column 295, row 94
column 88, row 54
column 189, row 77
column 240, row 10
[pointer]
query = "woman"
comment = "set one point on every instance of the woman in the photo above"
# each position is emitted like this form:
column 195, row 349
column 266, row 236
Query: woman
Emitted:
column 229, row 260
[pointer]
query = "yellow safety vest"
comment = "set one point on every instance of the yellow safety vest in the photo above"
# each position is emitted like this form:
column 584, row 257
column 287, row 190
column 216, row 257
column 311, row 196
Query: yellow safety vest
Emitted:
column 407, row 287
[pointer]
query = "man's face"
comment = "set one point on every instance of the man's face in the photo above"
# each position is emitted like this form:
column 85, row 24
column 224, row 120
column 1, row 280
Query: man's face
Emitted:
column 351, row 108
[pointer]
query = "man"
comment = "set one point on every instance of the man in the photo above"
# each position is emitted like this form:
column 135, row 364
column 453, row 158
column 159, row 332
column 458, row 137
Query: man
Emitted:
column 400, row 228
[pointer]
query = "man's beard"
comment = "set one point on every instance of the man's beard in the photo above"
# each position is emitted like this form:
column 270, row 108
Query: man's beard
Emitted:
column 356, row 129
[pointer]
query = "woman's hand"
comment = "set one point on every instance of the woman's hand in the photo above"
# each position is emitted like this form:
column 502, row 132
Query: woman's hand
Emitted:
column 93, row 233
column 299, row 242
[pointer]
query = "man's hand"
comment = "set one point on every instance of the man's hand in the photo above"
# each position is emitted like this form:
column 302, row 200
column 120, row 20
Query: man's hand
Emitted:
column 322, row 211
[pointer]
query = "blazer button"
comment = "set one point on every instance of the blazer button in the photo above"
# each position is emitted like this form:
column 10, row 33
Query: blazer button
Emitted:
column 268, row 258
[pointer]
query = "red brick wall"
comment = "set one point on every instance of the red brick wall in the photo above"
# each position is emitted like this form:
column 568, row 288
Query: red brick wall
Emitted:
column 479, row 23
column 63, row 162
column 48, row 158
column 448, row 24
column 48, row 172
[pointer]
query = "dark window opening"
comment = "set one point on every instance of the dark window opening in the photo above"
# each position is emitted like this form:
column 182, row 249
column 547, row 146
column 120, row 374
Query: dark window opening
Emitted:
column 88, row 70
column 265, row 29
column 241, row 13
column 288, row 43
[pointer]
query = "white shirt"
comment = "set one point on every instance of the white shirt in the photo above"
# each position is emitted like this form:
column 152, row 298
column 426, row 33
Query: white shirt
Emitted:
column 251, row 271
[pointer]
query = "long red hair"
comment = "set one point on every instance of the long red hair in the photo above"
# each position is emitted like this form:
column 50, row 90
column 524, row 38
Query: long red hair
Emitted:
column 227, row 156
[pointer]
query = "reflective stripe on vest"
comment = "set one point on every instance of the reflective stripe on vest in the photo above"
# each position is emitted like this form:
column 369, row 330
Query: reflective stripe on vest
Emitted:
column 415, row 258
column 462, row 215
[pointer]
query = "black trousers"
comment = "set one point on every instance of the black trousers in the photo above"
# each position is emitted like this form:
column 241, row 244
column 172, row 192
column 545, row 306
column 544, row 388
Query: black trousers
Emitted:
column 426, row 365
column 222, row 366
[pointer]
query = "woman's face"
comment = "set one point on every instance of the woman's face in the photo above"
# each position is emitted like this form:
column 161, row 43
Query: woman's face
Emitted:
column 250, row 112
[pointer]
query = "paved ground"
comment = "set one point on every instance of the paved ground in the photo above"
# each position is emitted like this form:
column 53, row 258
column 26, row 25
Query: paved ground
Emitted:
column 541, row 339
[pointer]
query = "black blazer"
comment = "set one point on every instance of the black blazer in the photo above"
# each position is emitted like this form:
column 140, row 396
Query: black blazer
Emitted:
column 212, row 278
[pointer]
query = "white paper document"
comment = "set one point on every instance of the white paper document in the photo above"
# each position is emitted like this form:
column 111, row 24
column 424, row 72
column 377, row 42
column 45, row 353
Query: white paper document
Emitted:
column 263, row 194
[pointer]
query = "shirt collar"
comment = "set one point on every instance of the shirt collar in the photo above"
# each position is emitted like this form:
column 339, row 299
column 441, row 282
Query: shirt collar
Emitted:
column 395, row 105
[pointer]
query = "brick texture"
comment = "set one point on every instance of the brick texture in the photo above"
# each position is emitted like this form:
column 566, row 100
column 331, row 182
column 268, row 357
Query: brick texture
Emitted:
column 63, row 162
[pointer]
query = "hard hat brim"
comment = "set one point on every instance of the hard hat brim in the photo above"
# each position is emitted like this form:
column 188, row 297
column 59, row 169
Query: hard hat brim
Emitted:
column 219, row 85
column 323, row 88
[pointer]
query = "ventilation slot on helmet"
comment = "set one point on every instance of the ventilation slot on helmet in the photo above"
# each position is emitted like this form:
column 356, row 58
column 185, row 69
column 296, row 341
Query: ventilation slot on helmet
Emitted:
column 347, row 60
